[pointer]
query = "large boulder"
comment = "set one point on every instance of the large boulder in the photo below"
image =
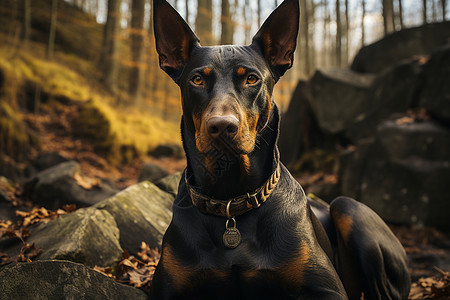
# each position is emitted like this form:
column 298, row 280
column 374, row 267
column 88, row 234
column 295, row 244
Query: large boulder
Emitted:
column 142, row 212
column 170, row 183
column 299, row 130
column 88, row 235
column 435, row 96
column 65, row 184
column 152, row 172
column 401, row 45
column 402, row 173
column 339, row 98
column 393, row 91
column 61, row 280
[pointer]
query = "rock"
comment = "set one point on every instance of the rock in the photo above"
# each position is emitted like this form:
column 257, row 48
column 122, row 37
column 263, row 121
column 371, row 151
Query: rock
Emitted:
column 400, row 45
column 48, row 160
column 299, row 130
column 403, row 173
column 435, row 96
column 170, row 183
column 61, row 280
column 142, row 212
column 393, row 91
column 339, row 98
column 88, row 235
column 60, row 185
column 167, row 150
column 152, row 172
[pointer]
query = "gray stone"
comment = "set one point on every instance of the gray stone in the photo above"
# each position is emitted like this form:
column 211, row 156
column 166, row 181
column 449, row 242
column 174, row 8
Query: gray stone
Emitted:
column 170, row 183
column 152, row 172
column 435, row 96
column 339, row 98
column 393, row 91
column 60, row 280
column 401, row 45
column 142, row 212
column 88, row 235
column 403, row 174
column 56, row 186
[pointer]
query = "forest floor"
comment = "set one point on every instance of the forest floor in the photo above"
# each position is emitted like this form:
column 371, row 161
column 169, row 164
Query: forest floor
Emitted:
column 426, row 247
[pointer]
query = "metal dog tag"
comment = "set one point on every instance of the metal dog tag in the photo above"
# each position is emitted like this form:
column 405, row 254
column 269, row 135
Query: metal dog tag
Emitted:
column 232, row 236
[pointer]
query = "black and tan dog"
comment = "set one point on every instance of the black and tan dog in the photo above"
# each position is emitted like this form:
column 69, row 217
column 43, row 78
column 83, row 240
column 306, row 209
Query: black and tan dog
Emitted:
column 242, row 227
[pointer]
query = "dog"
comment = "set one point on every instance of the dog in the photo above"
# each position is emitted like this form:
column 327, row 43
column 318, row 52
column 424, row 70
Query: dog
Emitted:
column 242, row 226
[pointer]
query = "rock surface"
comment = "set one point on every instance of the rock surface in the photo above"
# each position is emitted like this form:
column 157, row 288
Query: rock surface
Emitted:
column 339, row 98
column 142, row 212
column 63, row 184
column 400, row 45
column 152, row 172
column 60, row 280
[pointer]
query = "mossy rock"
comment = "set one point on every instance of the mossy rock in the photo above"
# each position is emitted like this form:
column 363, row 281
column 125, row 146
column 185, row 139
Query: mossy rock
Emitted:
column 96, row 123
column 15, row 137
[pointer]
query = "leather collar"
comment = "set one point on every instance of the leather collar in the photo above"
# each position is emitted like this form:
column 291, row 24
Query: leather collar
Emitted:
column 237, row 205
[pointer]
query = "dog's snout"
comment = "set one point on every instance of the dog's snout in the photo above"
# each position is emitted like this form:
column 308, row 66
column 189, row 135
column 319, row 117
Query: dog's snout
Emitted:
column 222, row 125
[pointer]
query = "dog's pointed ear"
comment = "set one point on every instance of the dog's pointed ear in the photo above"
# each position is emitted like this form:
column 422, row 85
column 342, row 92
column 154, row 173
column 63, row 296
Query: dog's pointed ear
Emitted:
column 174, row 38
column 277, row 37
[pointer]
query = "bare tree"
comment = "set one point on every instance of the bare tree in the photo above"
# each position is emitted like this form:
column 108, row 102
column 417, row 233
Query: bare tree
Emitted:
column 26, row 22
column 259, row 12
column 52, row 31
column 388, row 16
column 338, row 45
column 109, row 63
column 137, row 44
column 363, row 29
column 400, row 14
column 203, row 22
column 226, row 37
column 187, row 10
column 424, row 11
column 444, row 9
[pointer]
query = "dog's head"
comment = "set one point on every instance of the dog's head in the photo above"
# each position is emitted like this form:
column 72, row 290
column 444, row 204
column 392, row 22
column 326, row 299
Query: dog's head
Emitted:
column 226, row 90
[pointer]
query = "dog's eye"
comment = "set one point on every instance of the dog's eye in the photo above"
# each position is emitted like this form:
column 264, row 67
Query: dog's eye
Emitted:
column 197, row 80
column 252, row 79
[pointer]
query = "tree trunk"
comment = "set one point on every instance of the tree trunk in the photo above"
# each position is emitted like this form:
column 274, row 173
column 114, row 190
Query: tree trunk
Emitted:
column 444, row 9
column 424, row 12
column 259, row 12
column 400, row 14
column 388, row 16
column 137, row 45
column 109, row 63
column 304, row 36
column 347, row 33
column 338, row 45
column 52, row 31
column 26, row 25
column 226, row 37
column 363, row 30
column 187, row 10
column 203, row 22
column 248, row 19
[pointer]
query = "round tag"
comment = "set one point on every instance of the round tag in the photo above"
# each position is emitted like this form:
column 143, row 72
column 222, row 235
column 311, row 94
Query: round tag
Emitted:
column 231, row 237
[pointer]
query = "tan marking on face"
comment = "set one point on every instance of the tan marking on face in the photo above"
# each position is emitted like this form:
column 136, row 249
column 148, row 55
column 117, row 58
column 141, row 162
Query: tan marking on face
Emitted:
column 244, row 165
column 179, row 273
column 294, row 271
column 241, row 71
column 207, row 71
column 201, row 141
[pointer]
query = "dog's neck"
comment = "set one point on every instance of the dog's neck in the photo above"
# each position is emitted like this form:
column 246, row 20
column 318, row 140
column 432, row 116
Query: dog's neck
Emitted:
column 228, row 178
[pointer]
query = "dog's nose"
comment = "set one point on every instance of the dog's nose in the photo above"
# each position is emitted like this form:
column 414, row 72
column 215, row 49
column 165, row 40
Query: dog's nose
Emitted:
column 222, row 125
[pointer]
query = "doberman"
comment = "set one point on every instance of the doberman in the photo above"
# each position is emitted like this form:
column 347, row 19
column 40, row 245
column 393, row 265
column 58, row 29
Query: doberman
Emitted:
column 242, row 226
